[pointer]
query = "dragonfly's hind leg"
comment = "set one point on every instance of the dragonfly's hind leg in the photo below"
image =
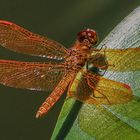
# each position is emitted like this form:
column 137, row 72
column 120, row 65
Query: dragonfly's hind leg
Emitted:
column 94, row 96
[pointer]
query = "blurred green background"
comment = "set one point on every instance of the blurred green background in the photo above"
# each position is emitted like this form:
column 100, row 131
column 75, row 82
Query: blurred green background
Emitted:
column 59, row 20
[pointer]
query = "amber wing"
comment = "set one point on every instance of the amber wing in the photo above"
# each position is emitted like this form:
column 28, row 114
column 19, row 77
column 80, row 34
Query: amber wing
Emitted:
column 97, row 90
column 28, row 75
column 21, row 40
column 122, row 59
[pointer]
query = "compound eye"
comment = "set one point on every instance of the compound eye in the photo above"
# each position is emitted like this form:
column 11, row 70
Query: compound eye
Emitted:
column 82, row 36
column 89, row 35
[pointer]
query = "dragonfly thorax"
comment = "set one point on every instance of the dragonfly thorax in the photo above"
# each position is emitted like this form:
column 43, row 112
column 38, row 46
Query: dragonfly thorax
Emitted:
column 76, row 59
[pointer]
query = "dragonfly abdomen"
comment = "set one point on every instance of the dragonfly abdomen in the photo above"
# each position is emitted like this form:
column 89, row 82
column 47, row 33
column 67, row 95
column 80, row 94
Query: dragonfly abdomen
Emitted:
column 50, row 101
column 54, row 96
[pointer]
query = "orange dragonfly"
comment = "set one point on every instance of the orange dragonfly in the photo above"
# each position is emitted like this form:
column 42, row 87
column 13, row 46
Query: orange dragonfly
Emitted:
column 62, row 65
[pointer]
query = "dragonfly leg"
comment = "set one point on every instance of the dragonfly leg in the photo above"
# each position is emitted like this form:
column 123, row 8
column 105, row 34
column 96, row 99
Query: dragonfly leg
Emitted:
column 94, row 89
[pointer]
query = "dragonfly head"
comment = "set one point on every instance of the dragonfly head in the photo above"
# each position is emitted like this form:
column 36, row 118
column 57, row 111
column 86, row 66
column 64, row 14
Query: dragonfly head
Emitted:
column 87, row 37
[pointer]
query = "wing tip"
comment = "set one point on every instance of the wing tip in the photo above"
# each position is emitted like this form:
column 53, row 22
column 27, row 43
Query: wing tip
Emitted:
column 6, row 22
column 127, row 86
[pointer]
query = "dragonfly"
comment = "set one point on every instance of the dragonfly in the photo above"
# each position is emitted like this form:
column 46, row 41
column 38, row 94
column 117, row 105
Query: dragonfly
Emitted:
column 59, row 70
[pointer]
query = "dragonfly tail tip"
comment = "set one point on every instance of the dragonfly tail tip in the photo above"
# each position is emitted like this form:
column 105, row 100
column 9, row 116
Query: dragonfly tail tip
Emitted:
column 37, row 116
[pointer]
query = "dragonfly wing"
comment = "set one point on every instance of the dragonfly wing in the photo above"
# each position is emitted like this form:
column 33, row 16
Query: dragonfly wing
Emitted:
column 28, row 75
column 21, row 40
column 97, row 90
column 122, row 60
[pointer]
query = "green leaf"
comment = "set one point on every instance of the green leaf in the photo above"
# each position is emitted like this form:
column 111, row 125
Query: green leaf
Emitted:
column 79, row 121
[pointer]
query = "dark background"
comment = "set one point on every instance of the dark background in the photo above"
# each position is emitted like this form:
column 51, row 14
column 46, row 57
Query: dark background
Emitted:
column 59, row 20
